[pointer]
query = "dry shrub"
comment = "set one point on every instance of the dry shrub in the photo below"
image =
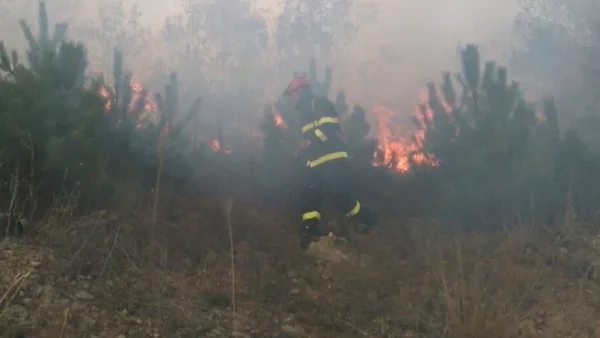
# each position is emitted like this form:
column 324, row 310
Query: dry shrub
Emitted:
column 453, row 285
column 94, row 245
column 492, row 285
column 421, row 280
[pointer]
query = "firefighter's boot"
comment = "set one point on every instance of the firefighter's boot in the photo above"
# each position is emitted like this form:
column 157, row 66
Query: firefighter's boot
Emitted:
column 309, row 233
column 363, row 228
column 365, row 221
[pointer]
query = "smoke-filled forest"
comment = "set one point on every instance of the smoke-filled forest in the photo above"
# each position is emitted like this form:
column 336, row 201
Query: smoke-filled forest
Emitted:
column 150, row 185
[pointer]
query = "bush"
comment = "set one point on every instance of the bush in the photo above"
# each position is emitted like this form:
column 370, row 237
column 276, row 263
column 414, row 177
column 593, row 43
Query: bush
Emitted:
column 62, row 132
column 499, row 162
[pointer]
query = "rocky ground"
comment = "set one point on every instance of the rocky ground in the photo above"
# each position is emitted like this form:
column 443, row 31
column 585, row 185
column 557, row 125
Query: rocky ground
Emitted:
column 524, row 284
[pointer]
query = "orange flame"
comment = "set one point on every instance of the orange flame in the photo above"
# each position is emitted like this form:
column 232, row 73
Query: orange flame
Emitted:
column 540, row 117
column 150, row 112
column 395, row 148
column 279, row 122
column 401, row 149
column 215, row 145
column 103, row 92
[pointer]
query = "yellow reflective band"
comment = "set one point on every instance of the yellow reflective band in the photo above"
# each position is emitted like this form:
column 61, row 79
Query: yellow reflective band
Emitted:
column 319, row 122
column 327, row 158
column 320, row 135
column 354, row 210
column 311, row 215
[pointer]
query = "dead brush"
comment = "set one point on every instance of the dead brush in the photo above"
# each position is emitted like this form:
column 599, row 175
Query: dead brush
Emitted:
column 13, row 290
column 22, row 201
column 478, row 289
column 91, row 245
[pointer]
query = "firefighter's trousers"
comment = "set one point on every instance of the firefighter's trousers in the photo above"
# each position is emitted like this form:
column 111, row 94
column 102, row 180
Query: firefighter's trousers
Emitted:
column 331, row 179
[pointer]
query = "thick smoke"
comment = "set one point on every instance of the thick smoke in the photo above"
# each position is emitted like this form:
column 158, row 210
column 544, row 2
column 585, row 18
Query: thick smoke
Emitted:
column 382, row 51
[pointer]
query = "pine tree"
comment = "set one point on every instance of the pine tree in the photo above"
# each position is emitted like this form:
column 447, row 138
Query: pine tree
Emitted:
column 44, row 47
column 8, row 64
column 122, row 116
column 50, row 113
column 356, row 129
column 490, row 116
column 481, row 135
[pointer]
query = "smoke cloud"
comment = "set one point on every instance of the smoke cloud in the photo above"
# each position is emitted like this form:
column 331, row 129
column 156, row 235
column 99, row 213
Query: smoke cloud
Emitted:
column 399, row 45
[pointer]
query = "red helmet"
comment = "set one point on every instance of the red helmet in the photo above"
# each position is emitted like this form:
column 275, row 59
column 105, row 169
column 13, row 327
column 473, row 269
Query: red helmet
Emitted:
column 296, row 83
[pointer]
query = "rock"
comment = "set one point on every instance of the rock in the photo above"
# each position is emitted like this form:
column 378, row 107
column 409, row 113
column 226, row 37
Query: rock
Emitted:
column 325, row 248
column 528, row 327
column 82, row 294
column 295, row 291
column 296, row 330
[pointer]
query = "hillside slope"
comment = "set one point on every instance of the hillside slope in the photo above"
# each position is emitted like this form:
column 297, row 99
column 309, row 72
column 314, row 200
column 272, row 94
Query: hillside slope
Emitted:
column 87, row 278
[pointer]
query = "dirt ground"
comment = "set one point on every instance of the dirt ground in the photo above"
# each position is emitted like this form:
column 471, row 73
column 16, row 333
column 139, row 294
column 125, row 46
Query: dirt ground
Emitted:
column 94, row 277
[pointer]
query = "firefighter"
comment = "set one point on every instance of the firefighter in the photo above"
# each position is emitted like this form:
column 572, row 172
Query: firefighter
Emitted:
column 324, row 153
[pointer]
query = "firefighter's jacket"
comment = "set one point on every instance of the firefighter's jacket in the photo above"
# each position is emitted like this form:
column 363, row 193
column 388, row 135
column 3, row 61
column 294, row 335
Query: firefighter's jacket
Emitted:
column 321, row 127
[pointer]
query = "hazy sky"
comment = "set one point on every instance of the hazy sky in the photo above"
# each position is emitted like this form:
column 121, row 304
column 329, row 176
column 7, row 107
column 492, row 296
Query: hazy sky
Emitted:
column 410, row 42
column 156, row 10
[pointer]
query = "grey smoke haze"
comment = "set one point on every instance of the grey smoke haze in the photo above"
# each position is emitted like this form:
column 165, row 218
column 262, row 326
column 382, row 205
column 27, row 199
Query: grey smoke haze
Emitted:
column 407, row 43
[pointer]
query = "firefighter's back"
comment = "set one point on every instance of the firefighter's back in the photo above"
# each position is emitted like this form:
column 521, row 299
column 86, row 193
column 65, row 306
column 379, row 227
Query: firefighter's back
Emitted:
column 321, row 126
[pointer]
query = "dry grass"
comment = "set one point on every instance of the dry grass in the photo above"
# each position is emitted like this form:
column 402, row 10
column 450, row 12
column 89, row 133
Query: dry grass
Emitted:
column 414, row 281
column 231, row 249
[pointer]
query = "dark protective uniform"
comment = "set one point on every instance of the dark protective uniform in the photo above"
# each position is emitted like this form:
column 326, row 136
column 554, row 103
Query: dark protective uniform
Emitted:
column 326, row 161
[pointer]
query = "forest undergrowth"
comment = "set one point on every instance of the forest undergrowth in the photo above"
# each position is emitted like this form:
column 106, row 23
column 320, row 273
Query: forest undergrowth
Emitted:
column 98, row 275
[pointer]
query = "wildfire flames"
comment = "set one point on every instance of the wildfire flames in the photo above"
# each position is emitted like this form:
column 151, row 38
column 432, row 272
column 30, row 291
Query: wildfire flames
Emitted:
column 279, row 120
column 397, row 148
column 216, row 146
column 150, row 112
